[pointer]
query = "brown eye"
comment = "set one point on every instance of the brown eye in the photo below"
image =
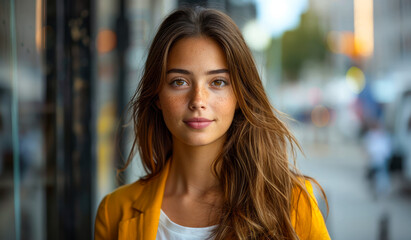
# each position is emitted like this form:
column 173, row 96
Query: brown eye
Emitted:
column 178, row 83
column 219, row 83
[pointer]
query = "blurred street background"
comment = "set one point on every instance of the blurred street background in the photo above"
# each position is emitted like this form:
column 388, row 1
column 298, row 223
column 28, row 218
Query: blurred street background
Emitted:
column 340, row 68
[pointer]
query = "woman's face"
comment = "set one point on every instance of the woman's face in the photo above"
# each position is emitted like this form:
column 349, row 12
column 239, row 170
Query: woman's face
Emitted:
column 197, row 98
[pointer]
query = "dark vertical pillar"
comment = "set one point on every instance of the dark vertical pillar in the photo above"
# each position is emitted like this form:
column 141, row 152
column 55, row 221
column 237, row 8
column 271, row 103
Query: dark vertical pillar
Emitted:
column 69, row 81
column 122, row 32
column 76, row 88
column 50, row 121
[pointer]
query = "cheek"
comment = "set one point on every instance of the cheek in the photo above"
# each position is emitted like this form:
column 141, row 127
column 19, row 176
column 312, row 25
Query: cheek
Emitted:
column 227, row 105
column 170, row 105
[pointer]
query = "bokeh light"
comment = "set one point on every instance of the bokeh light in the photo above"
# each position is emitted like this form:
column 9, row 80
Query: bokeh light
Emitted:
column 256, row 36
column 355, row 79
column 320, row 116
column 106, row 41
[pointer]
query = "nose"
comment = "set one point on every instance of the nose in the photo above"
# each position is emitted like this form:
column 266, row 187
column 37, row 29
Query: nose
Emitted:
column 199, row 98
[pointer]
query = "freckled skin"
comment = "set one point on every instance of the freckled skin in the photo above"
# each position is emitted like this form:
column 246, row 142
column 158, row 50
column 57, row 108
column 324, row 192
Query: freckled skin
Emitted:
column 197, row 93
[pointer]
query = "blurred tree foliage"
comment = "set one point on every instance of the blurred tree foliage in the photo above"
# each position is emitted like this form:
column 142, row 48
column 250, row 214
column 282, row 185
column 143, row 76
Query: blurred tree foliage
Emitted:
column 305, row 43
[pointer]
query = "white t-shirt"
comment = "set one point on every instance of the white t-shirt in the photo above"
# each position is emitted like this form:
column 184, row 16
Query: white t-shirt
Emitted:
column 168, row 230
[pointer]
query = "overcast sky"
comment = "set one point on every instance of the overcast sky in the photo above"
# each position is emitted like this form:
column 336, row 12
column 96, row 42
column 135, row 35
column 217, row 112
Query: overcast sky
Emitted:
column 278, row 16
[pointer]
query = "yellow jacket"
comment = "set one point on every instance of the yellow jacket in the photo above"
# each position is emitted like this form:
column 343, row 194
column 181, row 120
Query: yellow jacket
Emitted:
column 133, row 212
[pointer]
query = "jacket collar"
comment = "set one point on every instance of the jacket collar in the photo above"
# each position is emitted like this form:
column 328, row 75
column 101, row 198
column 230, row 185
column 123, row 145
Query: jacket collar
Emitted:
column 144, row 224
column 151, row 195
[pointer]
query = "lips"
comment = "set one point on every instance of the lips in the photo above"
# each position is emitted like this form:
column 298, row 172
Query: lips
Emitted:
column 198, row 123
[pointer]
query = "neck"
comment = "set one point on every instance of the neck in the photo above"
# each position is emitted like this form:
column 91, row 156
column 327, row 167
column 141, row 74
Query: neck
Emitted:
column 191, row 169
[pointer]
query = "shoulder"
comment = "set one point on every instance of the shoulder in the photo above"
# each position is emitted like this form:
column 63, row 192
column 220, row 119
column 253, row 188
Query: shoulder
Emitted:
column 116, row 207
column 306, row 216
column 122, row 197
column 126, row 193
column 127, row 203
column 140, row 195
column 121, row 202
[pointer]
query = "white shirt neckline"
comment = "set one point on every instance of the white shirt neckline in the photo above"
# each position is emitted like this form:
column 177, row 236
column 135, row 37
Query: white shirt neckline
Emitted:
column 200, row 232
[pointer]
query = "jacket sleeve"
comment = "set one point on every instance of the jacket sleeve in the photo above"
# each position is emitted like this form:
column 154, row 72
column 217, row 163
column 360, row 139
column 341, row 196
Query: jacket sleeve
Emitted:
column 318, row 228
column 308, row 220
column 102, row 226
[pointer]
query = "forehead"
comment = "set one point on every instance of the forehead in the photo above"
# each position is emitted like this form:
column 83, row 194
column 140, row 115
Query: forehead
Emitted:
column 195, row 53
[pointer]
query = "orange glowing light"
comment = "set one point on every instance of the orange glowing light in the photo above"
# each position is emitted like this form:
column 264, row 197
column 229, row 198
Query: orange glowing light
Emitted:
column 40, row 31
column 106, row 41
column 349, row 44
column 364, row 27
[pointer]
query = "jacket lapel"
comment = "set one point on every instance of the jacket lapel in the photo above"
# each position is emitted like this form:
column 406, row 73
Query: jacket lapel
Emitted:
column 131, row 228
column 146, row 208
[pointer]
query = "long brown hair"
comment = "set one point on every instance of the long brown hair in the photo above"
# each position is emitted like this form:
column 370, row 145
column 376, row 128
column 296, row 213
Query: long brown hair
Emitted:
column 254, row 170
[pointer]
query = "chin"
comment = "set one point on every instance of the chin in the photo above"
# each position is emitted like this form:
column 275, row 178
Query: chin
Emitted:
column 198, row 143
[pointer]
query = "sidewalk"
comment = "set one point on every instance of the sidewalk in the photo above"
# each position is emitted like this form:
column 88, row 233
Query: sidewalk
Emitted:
column 354, row 213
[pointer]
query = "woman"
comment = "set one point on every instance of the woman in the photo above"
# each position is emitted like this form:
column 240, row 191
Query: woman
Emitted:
column 215, row 153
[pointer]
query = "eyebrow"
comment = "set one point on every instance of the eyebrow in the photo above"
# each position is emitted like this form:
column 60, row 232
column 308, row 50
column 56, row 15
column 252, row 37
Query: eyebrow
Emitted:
column 183, row 71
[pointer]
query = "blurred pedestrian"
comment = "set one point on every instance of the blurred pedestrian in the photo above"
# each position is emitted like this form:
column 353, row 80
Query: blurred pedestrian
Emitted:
column 378, row 146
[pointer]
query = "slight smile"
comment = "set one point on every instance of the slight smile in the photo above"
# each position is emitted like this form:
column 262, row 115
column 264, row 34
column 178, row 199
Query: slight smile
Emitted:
column 198, row 123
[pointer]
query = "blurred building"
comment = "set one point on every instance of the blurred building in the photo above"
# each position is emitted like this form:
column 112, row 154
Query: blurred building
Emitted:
column 374, row 36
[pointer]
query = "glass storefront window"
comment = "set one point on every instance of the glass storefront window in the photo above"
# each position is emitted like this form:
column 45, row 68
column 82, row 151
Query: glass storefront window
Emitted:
column 22, row 111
